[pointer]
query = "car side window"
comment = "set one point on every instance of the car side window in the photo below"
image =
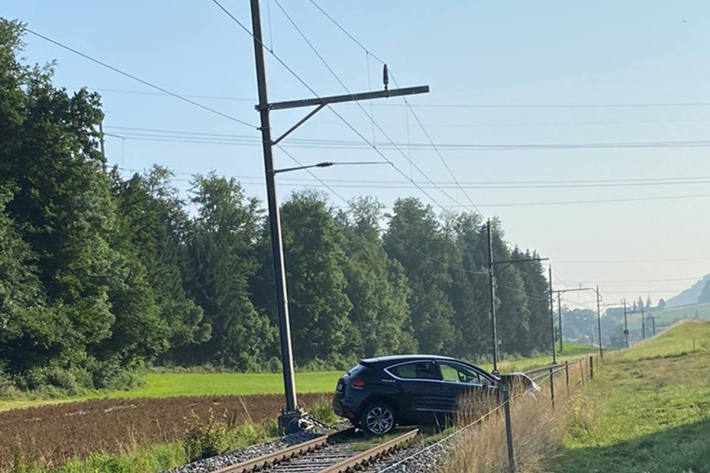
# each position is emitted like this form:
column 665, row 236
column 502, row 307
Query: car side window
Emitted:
column 449, row 373
column 456, row 373
column 418, row 370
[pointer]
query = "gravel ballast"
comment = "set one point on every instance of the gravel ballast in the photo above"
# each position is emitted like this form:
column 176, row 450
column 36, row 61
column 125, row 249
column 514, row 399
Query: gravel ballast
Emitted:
column 207, row 465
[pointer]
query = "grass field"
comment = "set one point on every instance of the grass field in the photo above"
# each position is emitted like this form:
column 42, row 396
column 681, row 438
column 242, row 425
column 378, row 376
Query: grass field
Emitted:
column 162, row 385
column 648, row 409
column 669, row 316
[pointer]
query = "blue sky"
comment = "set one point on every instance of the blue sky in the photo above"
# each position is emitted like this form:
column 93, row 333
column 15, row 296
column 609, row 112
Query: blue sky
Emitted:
column 507, row 62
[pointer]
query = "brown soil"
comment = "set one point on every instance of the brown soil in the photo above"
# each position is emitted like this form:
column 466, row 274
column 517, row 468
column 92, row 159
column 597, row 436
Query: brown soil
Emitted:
column 59, row 432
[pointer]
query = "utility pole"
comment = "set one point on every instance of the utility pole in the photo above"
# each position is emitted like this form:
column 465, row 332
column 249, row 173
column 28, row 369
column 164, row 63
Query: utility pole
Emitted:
column 552, row 319
column 643, row 322
column 599, row 324
column 626, row 327
column 653, row 324
column 101, row 140
column 559, row 304
column 492, row 295
column 559, row 317
column 492, row 292
column 291, row 411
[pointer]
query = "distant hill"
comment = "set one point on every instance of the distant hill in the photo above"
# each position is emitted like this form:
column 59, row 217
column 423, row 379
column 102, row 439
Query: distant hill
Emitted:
column 689, row 296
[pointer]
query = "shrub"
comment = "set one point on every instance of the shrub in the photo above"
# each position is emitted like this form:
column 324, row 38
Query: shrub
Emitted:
column 323, row 412
column 274, row 365
column 110, row 375
column 205, row 439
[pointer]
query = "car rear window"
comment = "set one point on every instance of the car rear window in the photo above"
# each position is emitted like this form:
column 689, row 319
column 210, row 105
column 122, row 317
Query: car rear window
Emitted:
column 356, row 369
column 418, row 370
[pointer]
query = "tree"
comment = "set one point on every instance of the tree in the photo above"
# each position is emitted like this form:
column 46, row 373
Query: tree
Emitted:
column 315, row 261
column 468, row 291
column 156, row 223
column 415, row 239
column 537, row 292
column 31, row 332
column 219, row 264
column 661, row 304
column 376, row 285
column 64, row 211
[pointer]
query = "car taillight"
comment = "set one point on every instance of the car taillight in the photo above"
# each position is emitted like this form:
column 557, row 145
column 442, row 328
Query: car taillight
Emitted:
column 357, row 383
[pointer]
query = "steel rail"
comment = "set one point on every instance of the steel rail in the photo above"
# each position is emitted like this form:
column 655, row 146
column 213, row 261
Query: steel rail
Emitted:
column 299, row 449
column 349, row 464
column 369, row 454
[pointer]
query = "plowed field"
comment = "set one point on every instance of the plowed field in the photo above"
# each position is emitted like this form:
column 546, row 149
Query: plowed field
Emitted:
column 59, row 432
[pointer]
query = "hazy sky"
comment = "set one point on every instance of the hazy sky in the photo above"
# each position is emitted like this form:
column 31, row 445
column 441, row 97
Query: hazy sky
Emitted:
column 520, row 73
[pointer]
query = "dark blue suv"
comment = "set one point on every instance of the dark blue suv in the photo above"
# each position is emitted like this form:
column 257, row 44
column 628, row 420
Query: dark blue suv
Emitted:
column 380, row 393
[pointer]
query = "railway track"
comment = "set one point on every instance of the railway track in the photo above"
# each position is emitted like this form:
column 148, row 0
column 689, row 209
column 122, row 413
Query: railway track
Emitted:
column 332, row 453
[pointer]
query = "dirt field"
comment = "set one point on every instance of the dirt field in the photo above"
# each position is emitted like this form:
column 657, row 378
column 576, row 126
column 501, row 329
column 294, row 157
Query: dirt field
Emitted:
column 59, row 432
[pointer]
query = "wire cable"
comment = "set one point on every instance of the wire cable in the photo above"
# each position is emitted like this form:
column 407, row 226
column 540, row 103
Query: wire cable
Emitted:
column 348, row 124
column 344, row 86
column 142, row 81
column 367, row 52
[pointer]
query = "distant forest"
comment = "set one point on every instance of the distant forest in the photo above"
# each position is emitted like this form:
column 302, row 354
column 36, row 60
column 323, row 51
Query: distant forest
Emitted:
column 100, row 274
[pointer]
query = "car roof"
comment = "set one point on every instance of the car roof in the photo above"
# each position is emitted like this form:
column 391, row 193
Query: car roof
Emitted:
column 402, row 358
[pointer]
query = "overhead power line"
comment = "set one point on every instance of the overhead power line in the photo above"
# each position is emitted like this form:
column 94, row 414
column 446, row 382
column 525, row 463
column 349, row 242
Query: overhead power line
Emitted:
column 369, row 116
column 357, row 183
column 340, row 117
column 142, row 81
column 244, row 140
column 647, row 280
column 595, row 201
column 435, row 105
column 632, row 261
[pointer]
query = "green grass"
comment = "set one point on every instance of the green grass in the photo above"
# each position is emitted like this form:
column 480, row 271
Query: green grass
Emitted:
column 668, row 316
column 648, row 409
column 144, row 460
column 572, row 351
column 161, row 385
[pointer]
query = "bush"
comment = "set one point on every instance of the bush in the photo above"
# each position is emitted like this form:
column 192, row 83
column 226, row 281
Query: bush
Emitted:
column 203, row 440
column 323, row 412
column 274, row 365
column 7, row 387
column 110, row 375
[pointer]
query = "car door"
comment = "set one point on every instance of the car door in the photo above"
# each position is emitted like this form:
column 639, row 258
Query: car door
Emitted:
column 421, row 388
column 462, row 383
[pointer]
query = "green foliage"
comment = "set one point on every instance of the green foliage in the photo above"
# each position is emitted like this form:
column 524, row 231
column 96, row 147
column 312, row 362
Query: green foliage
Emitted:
column 221, row 259
column 157, row 458
column 414, row 231
column 323, row 412
column 101, row 275
column 377, row 283
column 647, row 410
column 205, row 439
column 151, row 205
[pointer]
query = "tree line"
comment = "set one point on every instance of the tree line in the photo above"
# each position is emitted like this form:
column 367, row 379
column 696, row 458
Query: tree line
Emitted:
column 100, row 273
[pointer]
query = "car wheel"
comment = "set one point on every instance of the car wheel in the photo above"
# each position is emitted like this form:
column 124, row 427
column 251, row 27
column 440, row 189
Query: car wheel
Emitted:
column 378, row 419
